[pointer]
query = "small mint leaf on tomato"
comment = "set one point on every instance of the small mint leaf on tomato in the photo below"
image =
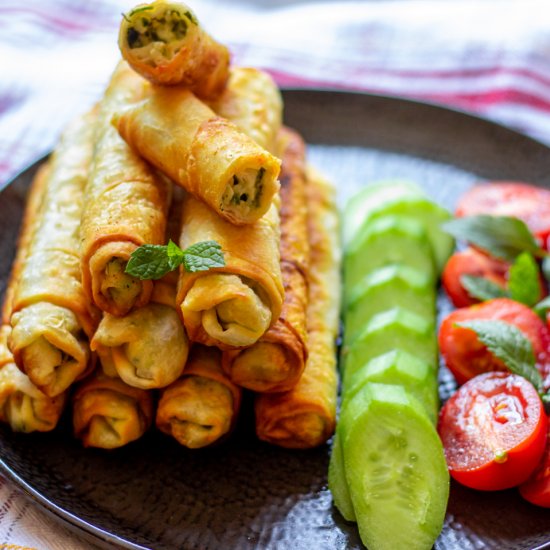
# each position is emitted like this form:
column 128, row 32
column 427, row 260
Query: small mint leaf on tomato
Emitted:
column 523, row 280
column 541, row 309
column 507, row 343
column 481, row 288
column 501, row 236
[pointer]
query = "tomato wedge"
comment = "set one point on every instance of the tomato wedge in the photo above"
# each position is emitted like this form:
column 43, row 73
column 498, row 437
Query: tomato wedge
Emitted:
column 494, row 431
column 509, row 198
column 471, row 262
column 465, row 356
column 537, row 488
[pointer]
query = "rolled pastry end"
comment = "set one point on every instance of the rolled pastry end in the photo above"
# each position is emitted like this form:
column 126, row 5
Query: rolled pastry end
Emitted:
column 196, row 411
column 164, row 42
column 263, row 367
column 147, row 348
column 107, row 414
column 225, row 310
column 49, row 346
column 114, row 290
column 299, row 430
column 23, row 406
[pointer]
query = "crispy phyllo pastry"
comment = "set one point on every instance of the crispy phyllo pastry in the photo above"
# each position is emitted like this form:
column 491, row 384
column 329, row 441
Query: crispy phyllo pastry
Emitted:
column 148, row 347
column 126, row 205
column 275, row 363
column 253, row 102
column 202, row 406
column 164, row 42
column 204, row 153
column 22, row 405
column 231, row 306
column 107, row 413
column 305, row 416
column 52, row 319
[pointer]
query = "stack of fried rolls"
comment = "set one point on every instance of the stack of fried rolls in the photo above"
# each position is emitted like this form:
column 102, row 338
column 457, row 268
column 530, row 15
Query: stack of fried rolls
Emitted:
column 182, row 147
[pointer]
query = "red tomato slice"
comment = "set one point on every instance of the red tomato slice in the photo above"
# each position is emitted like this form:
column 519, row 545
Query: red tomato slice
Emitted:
column 465, row 356
column 494, row 431
column 537, row 488
column 505, row 198
column 471, row 262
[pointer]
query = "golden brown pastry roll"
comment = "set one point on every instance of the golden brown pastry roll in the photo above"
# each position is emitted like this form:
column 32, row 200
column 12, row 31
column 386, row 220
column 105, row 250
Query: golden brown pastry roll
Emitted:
column 22, row 405
column 51, row 317
column 234, row 305
column 126, row 207
column 275, row 363
column 164, row 42
column 147, row 347
column 204, row 153
column 252, row 101
column 305, row 416
column 107, row 413
column 202, row 406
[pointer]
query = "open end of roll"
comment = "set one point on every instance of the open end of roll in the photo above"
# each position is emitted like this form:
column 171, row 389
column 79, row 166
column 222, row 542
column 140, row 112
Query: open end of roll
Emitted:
column 119, row 287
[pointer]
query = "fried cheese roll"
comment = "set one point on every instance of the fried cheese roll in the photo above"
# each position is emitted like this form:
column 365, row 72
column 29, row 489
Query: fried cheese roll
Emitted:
column 231, row 306
column 22, row 405
column 51, row 316
column 275, row 363
column 202, row 152
column 305, row 416
column 126, row 205
column 164, row 42
column 107, row 413
column 203, row 405
column 148, row 347
column 252, row 101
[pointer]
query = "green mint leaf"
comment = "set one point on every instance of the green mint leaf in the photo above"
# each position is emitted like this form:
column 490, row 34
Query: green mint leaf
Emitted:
column 541, row 309
column 481, row 288
column 175, row 254
column 523, row 280
column 149, row 261
column 202, row 256
column 545, row 266
column 507, row 343
column 501, row 236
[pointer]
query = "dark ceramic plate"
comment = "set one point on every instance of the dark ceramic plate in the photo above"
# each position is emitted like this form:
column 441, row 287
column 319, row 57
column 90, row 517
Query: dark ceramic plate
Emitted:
column 246, row 494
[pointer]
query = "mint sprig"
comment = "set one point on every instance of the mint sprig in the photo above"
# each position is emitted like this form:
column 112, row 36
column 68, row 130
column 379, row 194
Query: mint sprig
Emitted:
column 523, row 280
column 501, row 236
column 482, row 288
column 153, row 261
column 507, row 343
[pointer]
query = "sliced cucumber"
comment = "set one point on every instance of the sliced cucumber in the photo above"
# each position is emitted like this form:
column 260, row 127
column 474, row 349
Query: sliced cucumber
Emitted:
column 395, row 469
column 386, row 241
column 423, row 209
column 402, row 369
column 370, row 198
column 337, row 481
column 388, row 331
column 386, row 288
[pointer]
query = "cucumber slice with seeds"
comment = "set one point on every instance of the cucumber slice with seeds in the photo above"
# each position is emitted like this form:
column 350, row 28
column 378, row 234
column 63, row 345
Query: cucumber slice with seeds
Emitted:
column 395, row 469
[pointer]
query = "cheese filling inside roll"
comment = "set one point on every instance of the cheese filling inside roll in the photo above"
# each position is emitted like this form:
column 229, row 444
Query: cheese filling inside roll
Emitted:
column 108, row 414
column 147, row 348
column 164, row 42
column 231, row 309
column 121, row 288
column 52, row 346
